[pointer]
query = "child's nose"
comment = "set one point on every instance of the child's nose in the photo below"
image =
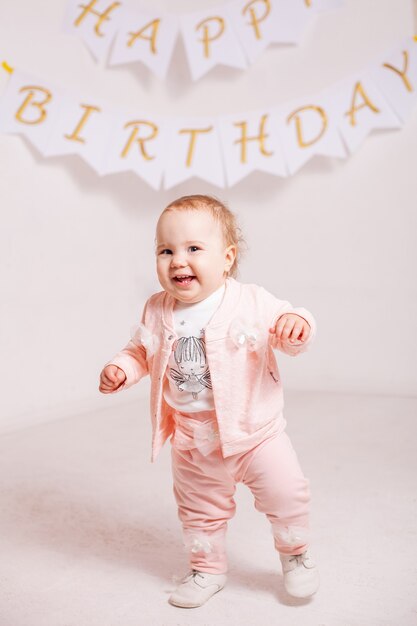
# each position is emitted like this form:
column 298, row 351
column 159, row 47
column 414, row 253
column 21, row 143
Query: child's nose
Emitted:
column 178, row 260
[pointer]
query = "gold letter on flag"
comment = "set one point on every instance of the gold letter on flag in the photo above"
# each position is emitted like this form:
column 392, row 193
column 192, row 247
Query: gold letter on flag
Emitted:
column 39, row 105
column 152, row 37
column 255, row 20
column 206, row 35
column 75, row 134
column 366, row 103
column 296, row 115
column 102, row 17
column 402, row 74
column 141, row 140
column 193, row 138
column 244, row 140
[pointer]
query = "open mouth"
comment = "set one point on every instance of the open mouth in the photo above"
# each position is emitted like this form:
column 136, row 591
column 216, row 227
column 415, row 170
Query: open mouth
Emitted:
column 185, row 279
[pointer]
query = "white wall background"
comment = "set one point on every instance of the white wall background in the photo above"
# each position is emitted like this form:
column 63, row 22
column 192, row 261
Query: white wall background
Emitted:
column 77, row 251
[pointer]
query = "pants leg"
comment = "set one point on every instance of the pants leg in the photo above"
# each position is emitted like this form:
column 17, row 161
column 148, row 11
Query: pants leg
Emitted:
column 204, row 491
column 281, row 491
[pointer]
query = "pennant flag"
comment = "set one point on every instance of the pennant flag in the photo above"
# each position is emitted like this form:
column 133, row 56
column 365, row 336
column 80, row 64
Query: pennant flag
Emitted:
column 30, row 107
column 82, row 127
column 250, row 142
column 138, row 143
column 310, row 127
column 147, row 38
column 96, row 22
column 361, row 108
column 259, row 23
column 193, row 149
column 396, row 78
column 209, row 40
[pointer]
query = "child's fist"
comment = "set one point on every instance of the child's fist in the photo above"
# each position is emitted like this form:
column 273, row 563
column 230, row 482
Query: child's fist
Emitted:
column 111, row 378
column 291, row 327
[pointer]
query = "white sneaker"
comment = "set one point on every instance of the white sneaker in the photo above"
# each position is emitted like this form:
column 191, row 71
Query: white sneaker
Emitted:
column 196, row 588
column 301, row 576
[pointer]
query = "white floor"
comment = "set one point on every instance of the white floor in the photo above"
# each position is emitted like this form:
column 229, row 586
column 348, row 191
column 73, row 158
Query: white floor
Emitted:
column 89, row 534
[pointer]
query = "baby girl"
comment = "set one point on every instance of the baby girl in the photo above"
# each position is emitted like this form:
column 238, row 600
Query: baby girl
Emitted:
column 207, row 341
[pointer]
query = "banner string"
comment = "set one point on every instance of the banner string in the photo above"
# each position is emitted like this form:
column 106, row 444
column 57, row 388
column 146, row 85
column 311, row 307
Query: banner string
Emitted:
column 415, row 18
column 7, row 67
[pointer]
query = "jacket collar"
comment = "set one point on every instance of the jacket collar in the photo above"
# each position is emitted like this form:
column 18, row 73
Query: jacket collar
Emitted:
column 226, row 310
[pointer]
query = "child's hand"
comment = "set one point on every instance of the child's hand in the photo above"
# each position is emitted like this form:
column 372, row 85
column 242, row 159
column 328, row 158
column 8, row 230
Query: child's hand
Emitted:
column 111, row 378
column 291, row 327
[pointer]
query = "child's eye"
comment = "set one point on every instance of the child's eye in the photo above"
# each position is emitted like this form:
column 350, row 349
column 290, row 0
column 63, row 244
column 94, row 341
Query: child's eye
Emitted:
column 193, row 248
column 165, row 251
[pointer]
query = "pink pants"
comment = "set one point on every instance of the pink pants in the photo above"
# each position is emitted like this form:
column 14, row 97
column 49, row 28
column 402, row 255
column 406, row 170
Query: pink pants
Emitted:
column 205, row 482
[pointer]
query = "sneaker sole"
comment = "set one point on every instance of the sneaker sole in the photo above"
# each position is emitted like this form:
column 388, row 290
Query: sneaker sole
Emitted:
column 304, row 592
column 187, row 605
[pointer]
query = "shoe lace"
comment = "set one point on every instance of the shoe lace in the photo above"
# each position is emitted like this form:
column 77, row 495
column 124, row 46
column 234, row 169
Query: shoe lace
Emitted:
column 298, row 558
column 192, row 574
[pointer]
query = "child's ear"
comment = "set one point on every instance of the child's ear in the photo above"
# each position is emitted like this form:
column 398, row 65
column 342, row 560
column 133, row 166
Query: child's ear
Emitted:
column 230, row 256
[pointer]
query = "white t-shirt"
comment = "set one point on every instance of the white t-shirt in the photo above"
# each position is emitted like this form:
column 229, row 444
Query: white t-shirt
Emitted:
column 187, row 385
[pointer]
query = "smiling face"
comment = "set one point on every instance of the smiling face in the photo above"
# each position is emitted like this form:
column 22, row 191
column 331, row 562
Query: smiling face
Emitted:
column 192, row 259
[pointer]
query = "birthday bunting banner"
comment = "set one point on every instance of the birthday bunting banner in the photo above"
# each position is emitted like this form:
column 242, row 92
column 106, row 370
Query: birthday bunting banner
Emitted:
column 233, row 34
column 221, row 150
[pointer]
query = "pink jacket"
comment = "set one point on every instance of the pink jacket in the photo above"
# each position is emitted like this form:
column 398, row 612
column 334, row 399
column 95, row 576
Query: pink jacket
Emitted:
column 239, row 348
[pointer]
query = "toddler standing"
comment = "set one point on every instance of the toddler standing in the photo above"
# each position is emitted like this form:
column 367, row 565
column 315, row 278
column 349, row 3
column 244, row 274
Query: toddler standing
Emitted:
column 207, row 343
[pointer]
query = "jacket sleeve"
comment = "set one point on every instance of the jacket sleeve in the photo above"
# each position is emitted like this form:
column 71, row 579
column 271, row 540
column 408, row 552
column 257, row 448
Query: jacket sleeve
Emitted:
column 132, row 360
column 283, row 306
